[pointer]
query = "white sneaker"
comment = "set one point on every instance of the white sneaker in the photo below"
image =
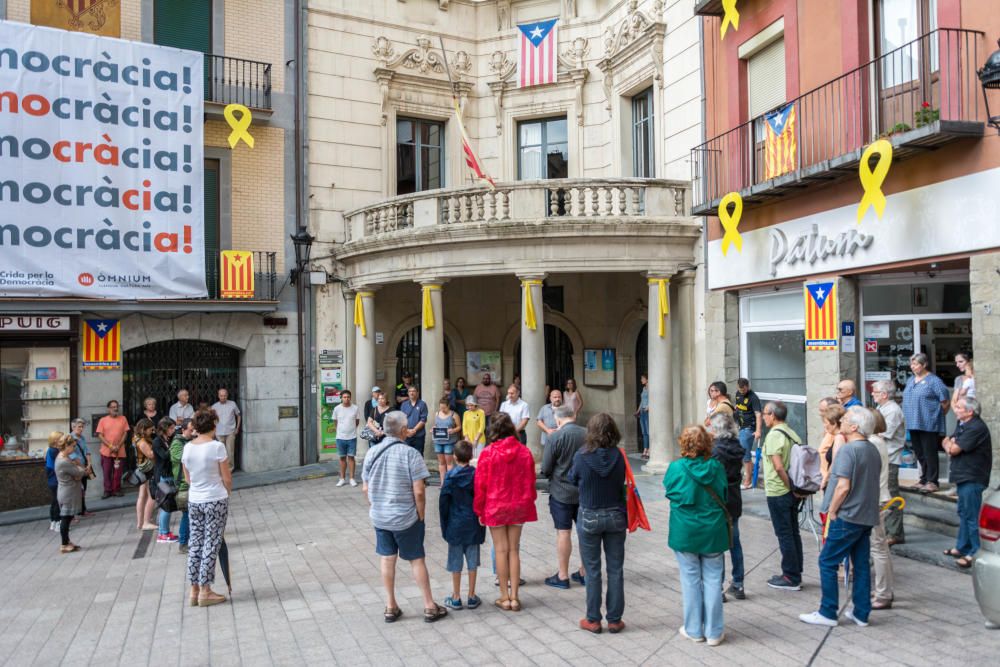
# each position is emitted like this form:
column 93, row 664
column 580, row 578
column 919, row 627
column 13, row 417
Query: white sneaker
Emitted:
column 685, row 635
column 53, row 525
column 849, row 614
column 816, row 618
column 718, row 640
column 342, row 482
column 353, row 483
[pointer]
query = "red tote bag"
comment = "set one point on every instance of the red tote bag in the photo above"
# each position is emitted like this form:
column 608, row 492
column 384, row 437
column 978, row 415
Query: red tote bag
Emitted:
column 636, row 511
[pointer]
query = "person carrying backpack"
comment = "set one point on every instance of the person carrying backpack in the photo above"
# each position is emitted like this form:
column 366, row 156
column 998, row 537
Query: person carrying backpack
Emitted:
column 782, row 503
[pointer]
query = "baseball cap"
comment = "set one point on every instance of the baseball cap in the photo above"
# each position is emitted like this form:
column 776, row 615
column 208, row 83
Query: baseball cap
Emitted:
column 470, row 400
column 376, row 388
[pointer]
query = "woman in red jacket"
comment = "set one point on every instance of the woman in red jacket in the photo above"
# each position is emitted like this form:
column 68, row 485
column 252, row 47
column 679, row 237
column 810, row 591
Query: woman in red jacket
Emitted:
column 504, row 500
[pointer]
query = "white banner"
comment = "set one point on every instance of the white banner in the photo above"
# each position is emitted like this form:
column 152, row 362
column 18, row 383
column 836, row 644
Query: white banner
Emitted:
column 101, row 167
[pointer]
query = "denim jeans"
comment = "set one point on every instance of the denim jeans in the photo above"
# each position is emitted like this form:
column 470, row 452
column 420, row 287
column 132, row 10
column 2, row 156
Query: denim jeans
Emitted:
column 970, row 500
column 701, row 584
column 644, row 429
column 736, row 554
column 746, row 442
column 784, row 511
column 184, row 530
column 607, row 526
column 846, row 539
column 164, row 522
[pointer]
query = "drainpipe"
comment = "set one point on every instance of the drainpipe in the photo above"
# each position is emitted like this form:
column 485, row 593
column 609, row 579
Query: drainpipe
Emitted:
column 305, row 383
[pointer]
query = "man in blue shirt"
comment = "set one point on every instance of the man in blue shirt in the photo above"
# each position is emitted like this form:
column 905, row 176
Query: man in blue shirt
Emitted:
column 416, row 418
column 846, row 390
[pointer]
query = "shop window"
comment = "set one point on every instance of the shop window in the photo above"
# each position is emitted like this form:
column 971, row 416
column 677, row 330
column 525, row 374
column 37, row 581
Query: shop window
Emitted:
column 543, row 149
column 917, row 298
column 642, row 135
column 35, row 387
column 419, row 155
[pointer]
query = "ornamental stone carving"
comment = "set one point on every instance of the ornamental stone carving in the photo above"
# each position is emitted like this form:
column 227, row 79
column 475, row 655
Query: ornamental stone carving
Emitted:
column 503, row 67
column 503, row 14
column 626, row 40
column 574, row 60
column 422, row 66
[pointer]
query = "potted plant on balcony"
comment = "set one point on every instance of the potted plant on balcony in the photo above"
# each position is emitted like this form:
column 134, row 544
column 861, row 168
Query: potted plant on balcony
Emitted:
column 925, row 115
column 898, row 128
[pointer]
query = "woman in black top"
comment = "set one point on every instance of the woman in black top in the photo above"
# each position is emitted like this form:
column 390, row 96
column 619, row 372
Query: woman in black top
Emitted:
column 163, row 471
column 728, row 450
column 377, row 417
column 599, row 472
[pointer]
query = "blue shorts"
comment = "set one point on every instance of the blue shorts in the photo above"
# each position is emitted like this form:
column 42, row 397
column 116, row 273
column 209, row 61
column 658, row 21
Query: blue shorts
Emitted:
column 563, row 515
column 408, row 543
column 347, row 447
column 444, row 448
column 746, row 441
column 457, row 553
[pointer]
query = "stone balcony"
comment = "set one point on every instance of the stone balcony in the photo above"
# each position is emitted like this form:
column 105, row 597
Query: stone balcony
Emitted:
column 592, row 225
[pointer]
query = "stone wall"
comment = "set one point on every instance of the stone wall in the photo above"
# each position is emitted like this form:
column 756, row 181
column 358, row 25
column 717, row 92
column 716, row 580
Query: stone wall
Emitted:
column 984, row 283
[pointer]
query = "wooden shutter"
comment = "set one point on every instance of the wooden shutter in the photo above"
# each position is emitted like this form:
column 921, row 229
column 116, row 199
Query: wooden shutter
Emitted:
column 185, row 24
column 212, row 227
column 766, row 78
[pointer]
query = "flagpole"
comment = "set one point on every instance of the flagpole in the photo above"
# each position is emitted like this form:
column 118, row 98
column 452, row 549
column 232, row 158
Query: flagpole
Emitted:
column 471, row 159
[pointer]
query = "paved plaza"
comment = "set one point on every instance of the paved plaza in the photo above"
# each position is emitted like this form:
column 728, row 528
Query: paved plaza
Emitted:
column 306, row 590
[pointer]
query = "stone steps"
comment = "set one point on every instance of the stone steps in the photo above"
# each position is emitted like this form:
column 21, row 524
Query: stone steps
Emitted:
column 935, row 512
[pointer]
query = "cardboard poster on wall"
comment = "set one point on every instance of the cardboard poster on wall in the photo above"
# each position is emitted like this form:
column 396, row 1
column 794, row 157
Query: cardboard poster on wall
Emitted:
column 329, row 398
column 97, row 17
column 600, row 367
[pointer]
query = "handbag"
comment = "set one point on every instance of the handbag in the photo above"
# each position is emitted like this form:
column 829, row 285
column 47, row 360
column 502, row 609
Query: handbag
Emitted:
column 633, row 502
column 718, row 501
column 136, row 477
column 367, row 434
column 165, row 494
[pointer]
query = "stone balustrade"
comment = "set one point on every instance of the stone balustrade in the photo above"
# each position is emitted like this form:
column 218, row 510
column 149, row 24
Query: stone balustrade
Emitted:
column 573, row 199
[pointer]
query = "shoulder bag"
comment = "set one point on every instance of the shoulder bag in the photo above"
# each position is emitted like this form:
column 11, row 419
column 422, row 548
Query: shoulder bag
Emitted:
column 718, row 501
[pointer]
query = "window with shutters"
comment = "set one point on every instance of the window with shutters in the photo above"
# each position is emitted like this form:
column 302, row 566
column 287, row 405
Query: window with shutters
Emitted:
column 184, row 24
column 212, row 231
column 765, row 82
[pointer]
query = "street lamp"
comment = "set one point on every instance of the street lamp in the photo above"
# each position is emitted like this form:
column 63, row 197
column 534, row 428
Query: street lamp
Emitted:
column 302, row 240
column 989, row 76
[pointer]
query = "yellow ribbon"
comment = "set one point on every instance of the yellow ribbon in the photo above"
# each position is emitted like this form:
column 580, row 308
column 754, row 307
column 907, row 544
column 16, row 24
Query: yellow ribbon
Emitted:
column 872, row 181
column 663, row 302
column 730, row 223
column 428, row 309
column 731, row 17
column 529, row 304
column 239, row 125
column 359, row 312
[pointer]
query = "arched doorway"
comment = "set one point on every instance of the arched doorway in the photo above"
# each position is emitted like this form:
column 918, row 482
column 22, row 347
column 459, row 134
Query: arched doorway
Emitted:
column 408, row 356
column 161, row 369
column 558, row 358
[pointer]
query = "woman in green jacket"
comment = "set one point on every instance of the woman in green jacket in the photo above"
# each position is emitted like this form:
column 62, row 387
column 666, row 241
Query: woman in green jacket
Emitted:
column 184, row 433
column 699, row 533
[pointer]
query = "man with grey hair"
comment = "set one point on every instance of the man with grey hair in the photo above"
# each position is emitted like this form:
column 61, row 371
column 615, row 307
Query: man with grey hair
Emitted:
column 564, row 496
column 971, row 451
column 393, row 481
column 854, row 510
column 883, row 392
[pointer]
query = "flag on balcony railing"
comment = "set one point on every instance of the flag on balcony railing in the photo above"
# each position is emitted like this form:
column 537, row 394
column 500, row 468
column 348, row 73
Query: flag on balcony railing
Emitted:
column 470, row 155
column 237, row 275
column 779, row 143
column 537, row 58
column 102, row 348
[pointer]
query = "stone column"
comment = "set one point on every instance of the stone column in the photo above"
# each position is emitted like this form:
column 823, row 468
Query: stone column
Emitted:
column 661, row 400
column 364, row 346
column 348, row 373
column 685, row 317
column 532, row 355
column 431, row 358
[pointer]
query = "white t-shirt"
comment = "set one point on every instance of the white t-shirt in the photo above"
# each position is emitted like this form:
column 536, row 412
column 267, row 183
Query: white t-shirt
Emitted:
column 347, row 421
column 517, row 411
column 227, row 413
column 202, row 463
column 180, row 412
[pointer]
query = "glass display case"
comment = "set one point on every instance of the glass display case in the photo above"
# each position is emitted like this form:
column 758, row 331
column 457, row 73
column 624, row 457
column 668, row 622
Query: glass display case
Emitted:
column 35, row 393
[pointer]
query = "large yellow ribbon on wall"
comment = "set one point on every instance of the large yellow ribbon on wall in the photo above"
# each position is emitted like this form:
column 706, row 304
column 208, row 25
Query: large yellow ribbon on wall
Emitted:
column 663, row 302
column 239, row 125
column 359, row 311
column 731, row 223
column 529, row 304
column 730, row 18
column 872, row 181
column 428, row 306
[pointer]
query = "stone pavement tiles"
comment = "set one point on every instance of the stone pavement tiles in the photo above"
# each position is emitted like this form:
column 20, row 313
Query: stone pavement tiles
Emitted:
column 306, row 590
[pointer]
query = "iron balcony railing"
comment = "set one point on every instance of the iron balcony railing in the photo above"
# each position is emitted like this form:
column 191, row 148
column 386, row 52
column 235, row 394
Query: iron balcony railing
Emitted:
column 265, row 275
column 237, row 81
column 918, row 95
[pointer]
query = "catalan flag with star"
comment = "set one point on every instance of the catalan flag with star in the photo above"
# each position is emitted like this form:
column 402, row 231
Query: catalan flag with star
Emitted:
column 821, row 315
column 237, row 275
column 102, row 348
column 779, row 142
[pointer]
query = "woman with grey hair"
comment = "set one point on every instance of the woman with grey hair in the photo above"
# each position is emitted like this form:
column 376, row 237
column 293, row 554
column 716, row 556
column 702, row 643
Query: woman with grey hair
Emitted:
column 925, row 403
column 727, row 449
column 82, row 455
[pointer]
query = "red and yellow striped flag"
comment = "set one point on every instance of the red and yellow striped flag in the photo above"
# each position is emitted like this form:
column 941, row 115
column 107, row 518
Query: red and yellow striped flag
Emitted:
column 237, row 275
column 779, row 143
column 102, row 348
column 821, row 315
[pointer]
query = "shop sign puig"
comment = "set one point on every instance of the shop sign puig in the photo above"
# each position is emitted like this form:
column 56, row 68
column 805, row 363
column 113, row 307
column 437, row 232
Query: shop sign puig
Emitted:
column 813, row 246
column 34, row 323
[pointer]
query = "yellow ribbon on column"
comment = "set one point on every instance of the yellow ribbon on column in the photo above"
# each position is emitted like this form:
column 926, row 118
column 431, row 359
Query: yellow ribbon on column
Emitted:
column 663, row 302
column 428, row 306
column 239, row 125
column 730, row 18
column 872, row 181
column 731, row 222
column 359, row 312
column 529, row 304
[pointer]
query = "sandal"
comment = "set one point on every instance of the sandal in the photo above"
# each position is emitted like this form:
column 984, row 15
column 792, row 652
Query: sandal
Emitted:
column 954, row 553
column 503, row 603
column 965, row 562
column 515, row 605
column 391, row 615
column 435, row 614
column 210, row 599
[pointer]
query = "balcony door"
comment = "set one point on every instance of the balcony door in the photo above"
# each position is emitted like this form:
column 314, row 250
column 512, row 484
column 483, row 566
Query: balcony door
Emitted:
column 212, row 231
column 185, row 24
column 907, row 74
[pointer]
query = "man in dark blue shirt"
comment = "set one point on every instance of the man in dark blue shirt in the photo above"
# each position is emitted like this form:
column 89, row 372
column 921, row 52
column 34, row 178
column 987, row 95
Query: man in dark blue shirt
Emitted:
column 846, row 394
column 416, row 418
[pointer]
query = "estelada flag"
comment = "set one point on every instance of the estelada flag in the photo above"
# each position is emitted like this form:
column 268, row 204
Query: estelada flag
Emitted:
column 633, row 503
column 102, row 347
column 821, row 315
column 237, row 274
column 779, row 142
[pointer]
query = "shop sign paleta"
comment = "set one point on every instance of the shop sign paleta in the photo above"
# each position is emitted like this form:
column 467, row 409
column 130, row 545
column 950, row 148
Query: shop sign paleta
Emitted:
column 102, row 186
